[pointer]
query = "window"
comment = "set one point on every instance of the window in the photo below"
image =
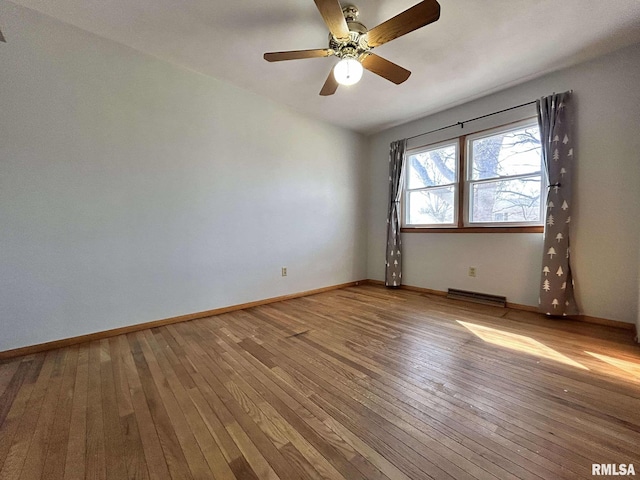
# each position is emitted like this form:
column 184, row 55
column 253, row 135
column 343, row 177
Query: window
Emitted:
column 489, row 179
column 432, row 186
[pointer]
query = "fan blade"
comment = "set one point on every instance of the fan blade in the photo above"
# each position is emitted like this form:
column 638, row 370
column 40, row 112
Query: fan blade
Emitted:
column 330, row 85
column 419, row 15
column 331, row 12
column 2, row 38
column 386, row 69
column 297, row 54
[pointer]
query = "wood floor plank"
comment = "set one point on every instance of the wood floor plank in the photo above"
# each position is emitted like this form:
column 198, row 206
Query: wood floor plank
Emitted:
column 247, row 461
column 359, row 383
column 368, row 356
column 264, row 410
column 114, row 441
column 262, row 436
column 444, row 382
column 96, row 467
column 439, row 446
column 419, row 424
column 539, row 400
column 355, row 416
column 131, row 447
column 36, row 456
column 152, row 453
column 175, row 438
column 451, row 466
column 309, row 427
column 7, row 377
column 13, row 398
column 17, row 454
column 163, row 376
column 298, row 357
column 172, row 452
column 59, row 437
column 206, row 442
column 75, row 463
column 213, row 412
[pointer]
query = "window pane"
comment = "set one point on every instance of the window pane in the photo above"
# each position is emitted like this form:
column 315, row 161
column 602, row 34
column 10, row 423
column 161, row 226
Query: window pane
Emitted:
column 508, row 153
column 516, row 200
column 431, row 207
column 432, row 168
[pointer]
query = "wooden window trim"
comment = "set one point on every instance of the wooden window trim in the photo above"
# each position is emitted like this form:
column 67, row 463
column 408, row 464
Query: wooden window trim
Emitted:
column 462, row 179
column 526, row 229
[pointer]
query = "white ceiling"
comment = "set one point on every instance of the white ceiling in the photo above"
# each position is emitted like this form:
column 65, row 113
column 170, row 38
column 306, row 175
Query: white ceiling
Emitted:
column 477, row 46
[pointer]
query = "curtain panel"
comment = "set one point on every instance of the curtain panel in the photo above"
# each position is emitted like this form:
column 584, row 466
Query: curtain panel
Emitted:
column 393, row 272
column 555, row 119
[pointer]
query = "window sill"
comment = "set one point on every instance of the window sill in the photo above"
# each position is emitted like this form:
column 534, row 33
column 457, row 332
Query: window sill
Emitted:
column 530, row 229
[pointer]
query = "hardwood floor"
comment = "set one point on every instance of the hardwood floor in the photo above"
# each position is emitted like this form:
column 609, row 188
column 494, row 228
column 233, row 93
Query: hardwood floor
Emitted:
column 358, row 383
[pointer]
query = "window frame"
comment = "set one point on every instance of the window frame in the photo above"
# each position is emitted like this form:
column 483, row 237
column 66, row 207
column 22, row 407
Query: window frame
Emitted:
column 455, row 184
column 462, row 188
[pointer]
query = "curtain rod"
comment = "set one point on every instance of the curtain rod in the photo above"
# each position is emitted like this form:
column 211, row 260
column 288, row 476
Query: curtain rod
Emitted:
column 472, row 119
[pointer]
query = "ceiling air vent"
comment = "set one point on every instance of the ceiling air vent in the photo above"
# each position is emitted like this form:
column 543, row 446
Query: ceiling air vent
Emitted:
column 484, row 298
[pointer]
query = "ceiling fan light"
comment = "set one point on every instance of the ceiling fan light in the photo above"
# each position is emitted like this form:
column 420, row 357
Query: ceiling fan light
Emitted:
column 348, row 71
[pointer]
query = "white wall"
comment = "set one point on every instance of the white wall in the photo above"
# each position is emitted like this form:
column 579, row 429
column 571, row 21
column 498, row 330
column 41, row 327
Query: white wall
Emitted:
column 132, row 190
column 605, row 224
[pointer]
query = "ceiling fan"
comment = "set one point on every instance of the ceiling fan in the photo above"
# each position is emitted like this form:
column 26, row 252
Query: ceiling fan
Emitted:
column 350, row 41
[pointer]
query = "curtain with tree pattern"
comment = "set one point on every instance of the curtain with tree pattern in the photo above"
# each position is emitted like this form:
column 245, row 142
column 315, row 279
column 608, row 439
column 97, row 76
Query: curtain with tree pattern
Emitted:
column 555, row 119
column 393, row 272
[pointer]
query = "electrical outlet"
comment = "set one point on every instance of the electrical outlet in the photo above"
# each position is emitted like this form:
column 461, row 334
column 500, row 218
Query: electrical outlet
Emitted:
column 284, row 271
column 472, row 271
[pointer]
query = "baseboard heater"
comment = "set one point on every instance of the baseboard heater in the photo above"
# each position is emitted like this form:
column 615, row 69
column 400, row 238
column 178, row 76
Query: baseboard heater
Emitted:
column 484, row 298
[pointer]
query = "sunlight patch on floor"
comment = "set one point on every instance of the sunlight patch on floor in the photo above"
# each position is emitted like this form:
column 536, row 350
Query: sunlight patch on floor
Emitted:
column 520, row 343
column 625, row 365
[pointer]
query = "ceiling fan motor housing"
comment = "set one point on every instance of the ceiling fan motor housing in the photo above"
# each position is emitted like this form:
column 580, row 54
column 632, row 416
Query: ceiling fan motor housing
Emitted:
column 356, row 44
